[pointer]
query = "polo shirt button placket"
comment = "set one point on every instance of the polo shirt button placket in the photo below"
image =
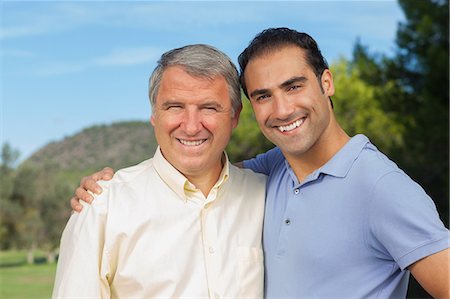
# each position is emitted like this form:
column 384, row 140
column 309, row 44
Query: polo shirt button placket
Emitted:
column 296, row 191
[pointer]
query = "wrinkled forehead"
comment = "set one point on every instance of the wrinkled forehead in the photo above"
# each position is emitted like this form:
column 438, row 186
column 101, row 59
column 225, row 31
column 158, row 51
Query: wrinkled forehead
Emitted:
column 178, row 83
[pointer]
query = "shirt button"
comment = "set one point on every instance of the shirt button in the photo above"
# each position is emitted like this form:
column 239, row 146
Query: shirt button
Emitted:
column 287, row 221
column 296, row 191
column 211, row 249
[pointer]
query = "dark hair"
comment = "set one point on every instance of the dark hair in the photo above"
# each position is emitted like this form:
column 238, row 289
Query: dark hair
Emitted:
column 276, row 38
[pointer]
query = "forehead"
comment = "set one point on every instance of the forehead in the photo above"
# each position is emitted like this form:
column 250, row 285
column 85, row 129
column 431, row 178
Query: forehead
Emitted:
column 178, row 84
column 275, row 67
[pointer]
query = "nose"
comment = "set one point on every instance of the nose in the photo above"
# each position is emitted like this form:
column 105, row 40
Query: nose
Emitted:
column 192, row 122
column 282, row 107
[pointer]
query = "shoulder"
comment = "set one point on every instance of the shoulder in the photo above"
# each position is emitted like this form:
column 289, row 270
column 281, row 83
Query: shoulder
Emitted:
column 372, row 165
column 123, row 182
column 245, row 180
column 247, row 176
column 247, row 188
column 266, row 162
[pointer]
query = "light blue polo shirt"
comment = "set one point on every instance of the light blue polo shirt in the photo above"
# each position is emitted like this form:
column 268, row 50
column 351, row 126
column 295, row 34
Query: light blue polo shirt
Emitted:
column 350, row 230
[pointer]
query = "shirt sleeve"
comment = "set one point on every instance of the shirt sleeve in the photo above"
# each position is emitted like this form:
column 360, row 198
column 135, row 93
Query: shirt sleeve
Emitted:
column 82, row 268
column 404, row 222
column 264, row 163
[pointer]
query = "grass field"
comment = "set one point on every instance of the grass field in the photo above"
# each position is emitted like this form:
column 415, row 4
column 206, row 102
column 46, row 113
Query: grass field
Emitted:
column 19, row 280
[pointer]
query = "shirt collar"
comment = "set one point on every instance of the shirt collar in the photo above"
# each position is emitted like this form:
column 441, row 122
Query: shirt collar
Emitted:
column 343, row 160
column 177, row 181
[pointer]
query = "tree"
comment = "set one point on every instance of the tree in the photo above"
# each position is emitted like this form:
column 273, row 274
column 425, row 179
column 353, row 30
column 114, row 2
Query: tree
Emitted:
column 54, row 212
column 422, row 66
column 358, row 107
column 414, row 88
column 8, row 209
column 28, row 225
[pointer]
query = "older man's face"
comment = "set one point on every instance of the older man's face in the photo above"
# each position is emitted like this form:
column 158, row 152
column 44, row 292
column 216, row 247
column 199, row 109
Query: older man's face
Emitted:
column 193, row 121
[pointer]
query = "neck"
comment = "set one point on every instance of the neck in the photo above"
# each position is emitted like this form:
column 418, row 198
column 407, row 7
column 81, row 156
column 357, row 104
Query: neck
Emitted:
column 206, row 181
column 320, row 153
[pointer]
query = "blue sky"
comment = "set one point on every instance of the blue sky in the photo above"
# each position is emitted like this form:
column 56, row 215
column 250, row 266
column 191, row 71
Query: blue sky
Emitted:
column 66, row 65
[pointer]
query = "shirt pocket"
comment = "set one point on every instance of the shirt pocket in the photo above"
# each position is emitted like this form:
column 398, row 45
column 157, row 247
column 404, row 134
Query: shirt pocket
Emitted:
column 250, row 272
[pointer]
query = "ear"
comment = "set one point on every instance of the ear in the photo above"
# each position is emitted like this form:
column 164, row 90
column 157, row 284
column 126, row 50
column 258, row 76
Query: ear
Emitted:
column 152, row 119
column 327, row 83
column 235, row 118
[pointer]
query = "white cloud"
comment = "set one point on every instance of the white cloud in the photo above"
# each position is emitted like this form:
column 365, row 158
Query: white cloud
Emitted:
column 129, row 57
column 116, row 58
column 40, row 18
column 60, row 68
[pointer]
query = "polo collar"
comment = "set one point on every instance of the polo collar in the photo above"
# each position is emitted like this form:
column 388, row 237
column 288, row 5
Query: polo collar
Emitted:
column 339, row 165
column 177, row 181
column 343, row 160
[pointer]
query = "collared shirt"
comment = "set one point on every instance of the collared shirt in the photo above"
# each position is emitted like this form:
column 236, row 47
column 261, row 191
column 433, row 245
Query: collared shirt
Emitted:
column 349, row 230
column 152, row 234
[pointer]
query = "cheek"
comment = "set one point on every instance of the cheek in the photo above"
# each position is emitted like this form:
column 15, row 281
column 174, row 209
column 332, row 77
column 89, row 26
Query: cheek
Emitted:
column 213, row 123
column 168, row 120
column 218, row 125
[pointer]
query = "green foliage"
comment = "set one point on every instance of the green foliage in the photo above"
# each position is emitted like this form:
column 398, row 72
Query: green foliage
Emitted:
column 358, row 107
column 35, row 196
column 411, row 89
column 247, row 140
column 8, row 209
column 423, row 63
column 116, row 145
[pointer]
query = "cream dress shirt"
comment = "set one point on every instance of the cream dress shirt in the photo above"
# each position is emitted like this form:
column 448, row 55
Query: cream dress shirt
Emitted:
column 152, row 234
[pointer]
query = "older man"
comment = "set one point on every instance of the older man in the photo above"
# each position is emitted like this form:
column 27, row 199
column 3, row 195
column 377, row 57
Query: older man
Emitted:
column 185, row 223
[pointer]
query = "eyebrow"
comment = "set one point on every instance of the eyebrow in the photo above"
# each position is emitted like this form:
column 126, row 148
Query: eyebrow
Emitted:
column 285, row 84
column 293, row 80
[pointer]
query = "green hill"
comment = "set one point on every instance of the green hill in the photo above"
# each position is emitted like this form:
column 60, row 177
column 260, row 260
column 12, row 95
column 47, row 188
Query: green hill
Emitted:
column 39, row 190
column 117, row 145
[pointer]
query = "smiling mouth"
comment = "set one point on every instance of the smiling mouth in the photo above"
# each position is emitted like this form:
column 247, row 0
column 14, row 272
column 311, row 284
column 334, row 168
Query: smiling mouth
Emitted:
column 192, row 142
column 291, row 126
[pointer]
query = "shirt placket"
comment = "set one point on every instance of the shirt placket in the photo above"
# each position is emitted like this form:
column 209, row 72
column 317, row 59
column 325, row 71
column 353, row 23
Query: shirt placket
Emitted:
column 211, row 249
column 287, row 219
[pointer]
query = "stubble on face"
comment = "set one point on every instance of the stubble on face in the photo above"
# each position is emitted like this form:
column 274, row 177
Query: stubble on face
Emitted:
column 293, row 111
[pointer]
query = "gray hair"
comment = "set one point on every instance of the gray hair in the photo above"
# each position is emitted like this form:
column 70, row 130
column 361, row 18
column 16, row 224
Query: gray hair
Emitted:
column 201, row 61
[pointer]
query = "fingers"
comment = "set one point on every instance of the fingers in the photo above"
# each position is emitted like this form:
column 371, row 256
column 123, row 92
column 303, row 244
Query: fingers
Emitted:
column 104, row 174
column 75, row 204
column 88, row 183
column 107, row 173
column 82, row 194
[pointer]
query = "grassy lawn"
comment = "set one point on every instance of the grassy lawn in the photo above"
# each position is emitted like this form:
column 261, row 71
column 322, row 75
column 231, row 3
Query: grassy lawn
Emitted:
column 19, row 280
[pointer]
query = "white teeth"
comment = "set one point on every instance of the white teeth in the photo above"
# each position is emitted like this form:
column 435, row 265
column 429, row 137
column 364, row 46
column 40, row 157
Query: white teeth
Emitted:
column 192, row 143
column 291, row 127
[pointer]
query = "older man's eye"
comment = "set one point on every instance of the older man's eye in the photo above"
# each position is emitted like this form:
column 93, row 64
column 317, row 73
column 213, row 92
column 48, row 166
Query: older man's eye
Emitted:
column 174, row 107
